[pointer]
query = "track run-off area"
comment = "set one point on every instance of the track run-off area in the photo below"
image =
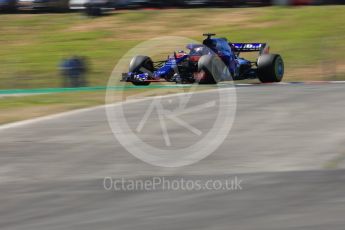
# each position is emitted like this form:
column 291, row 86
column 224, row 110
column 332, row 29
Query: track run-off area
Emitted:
column 286, row 145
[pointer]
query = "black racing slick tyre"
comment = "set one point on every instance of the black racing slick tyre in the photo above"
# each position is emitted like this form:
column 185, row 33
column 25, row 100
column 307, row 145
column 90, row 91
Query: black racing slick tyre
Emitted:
column 141, row 64
column 211, row 68
column 270, row 68
column 138, row 83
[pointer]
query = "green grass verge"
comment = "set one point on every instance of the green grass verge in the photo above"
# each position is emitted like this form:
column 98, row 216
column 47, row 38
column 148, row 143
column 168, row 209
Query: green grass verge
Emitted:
column 25, row 107
column 311, row 39
column 15, row 108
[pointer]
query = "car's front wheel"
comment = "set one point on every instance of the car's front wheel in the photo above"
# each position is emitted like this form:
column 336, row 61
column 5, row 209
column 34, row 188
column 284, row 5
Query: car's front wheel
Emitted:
column 141, row 64
column 210, row 69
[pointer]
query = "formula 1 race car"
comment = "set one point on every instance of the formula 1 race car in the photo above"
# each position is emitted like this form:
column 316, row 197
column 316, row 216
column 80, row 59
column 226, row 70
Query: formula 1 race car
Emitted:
column 214, row 60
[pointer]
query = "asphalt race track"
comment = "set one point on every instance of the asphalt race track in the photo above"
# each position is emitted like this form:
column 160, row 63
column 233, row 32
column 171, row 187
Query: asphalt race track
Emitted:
column 286, row 145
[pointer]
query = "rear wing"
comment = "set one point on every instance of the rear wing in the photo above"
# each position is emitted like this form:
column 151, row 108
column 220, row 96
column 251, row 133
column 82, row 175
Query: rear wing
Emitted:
column 262, row 48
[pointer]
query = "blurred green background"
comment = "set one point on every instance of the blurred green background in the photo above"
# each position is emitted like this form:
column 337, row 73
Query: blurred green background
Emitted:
column 310, row 39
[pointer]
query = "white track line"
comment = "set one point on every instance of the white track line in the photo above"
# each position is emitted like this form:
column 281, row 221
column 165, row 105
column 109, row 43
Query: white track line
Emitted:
column 48, row 117
column 78, row 111
column 73, row 112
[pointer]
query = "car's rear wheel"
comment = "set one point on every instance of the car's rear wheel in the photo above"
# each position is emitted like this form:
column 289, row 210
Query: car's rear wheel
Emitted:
column 210, row 69
column 270, row 68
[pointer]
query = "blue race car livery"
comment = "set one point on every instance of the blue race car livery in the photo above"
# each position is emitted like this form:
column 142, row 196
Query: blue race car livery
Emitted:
column 214, row 60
